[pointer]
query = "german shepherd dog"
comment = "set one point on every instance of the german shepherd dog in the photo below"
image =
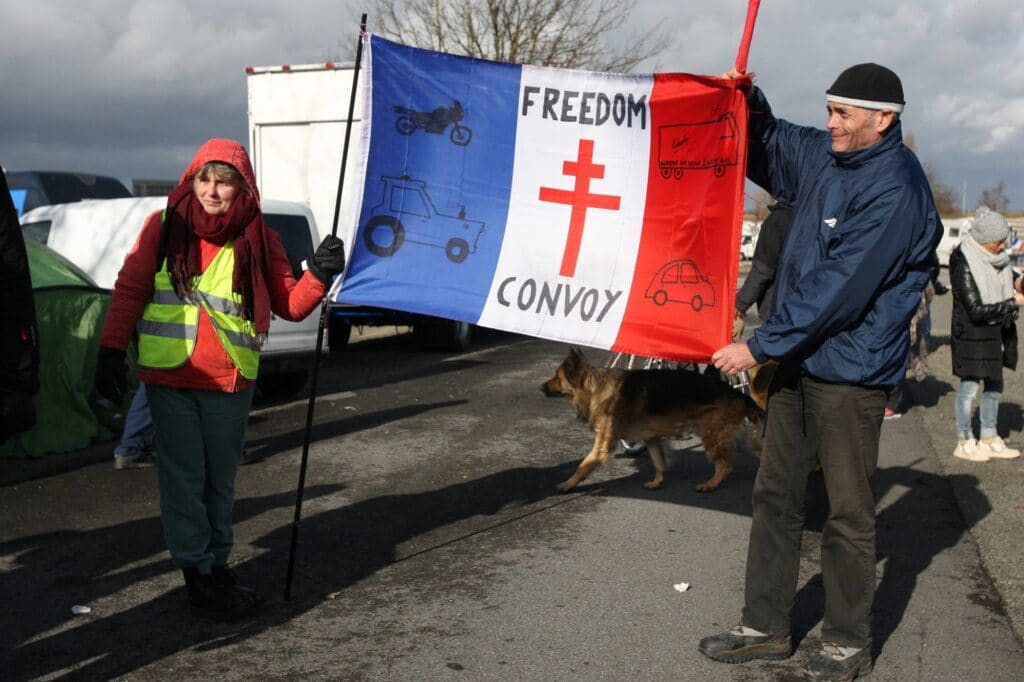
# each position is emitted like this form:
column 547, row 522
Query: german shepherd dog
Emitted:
column 648, row 405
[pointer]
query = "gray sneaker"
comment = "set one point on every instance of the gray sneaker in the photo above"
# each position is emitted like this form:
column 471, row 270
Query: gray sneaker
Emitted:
column 834, row 662
column 739, row 646
column 137, row 460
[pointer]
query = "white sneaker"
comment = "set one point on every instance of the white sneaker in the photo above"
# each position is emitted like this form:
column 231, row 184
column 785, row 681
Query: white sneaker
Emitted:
column 969, row 450
column 995, row 447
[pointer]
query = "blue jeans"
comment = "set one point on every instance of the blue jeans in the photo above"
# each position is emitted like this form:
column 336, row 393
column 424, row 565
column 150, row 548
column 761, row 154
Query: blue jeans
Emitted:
column 138, row 433
column 988, row 407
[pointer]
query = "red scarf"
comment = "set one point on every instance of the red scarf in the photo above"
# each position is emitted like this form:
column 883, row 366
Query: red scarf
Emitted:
column 186, row 220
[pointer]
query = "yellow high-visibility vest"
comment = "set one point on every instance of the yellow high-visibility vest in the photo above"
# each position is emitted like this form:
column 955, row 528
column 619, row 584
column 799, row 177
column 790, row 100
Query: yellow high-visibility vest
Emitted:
column 169, row 325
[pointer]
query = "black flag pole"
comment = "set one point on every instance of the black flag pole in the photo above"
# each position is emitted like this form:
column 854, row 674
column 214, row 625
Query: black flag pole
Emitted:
column 320, row 330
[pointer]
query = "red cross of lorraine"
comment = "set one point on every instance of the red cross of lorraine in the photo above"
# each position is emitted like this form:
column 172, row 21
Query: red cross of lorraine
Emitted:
column 580, row 198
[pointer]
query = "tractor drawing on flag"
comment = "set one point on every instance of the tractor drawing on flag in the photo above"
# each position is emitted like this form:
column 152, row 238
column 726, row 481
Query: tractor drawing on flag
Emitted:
column 435, row 122
column 407, row 214
column 680, row 281
column 698, row 146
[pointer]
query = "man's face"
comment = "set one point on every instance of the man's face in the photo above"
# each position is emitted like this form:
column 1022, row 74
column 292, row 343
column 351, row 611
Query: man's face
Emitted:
column 855, row 128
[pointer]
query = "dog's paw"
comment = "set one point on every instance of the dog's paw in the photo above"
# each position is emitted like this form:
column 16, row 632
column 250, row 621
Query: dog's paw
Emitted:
column 565, row 486
column 705, row 487
column 653, row 485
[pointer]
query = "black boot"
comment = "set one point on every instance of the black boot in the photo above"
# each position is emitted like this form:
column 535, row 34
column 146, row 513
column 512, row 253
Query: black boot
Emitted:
column 209, row 599
column 225, row 577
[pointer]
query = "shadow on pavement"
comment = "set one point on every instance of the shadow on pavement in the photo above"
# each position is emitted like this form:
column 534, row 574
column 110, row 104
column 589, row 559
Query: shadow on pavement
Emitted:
column 336, row 549
column 259, row 449
column 51, row 572
column 924, row 521
column 342, row 546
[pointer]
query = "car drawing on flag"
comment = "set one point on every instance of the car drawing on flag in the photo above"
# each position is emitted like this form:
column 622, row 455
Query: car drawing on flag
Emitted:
column 698, row 146
column 407, row 214
column 680, row 281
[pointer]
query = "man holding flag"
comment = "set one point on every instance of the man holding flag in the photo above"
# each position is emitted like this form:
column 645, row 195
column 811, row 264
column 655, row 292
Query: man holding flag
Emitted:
column 860, row 250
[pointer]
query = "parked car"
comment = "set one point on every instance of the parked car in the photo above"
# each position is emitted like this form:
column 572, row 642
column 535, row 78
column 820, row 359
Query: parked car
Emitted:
column 31, row 189
column 747, row 244
column 96, row 235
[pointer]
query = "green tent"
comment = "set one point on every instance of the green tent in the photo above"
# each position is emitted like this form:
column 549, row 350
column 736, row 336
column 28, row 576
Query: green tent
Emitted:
column 69, row 312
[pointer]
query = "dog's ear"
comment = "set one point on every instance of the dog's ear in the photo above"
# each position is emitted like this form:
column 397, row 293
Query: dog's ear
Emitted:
column 575, row 363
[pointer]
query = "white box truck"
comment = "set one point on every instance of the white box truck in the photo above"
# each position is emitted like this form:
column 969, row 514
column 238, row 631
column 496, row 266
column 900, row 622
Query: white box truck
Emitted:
column 297, row 120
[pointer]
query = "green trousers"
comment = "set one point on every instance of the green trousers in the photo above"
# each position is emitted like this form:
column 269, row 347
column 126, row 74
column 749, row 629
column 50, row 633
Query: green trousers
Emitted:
column 200, row 436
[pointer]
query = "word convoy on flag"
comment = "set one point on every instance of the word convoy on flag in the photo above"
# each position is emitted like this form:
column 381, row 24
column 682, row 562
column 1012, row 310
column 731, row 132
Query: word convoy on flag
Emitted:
column 602, row 210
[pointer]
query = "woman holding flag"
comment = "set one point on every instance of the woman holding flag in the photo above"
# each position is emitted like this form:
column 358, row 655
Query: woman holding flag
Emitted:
column 200, row 285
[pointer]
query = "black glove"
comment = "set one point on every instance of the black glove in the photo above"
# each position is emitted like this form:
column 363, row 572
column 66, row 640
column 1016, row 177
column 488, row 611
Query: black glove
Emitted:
column 329, row 259
column 111, row 380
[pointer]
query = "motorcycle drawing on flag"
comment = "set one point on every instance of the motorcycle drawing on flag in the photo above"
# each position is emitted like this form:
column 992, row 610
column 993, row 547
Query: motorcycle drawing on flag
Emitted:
column 407, row 213
column 680, row 281
column 435, row 122
column 698, row 146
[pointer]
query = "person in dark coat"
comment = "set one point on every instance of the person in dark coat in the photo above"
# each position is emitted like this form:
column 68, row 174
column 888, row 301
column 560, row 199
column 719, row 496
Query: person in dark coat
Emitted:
column 758, row 286
column 19, row 338
column 986, row 297
column 859, row 252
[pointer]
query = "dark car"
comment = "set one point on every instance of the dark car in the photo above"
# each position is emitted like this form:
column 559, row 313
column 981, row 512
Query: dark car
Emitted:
column 31, row 189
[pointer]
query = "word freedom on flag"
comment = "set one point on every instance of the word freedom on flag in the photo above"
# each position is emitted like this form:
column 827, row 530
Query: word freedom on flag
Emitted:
column 597, row 209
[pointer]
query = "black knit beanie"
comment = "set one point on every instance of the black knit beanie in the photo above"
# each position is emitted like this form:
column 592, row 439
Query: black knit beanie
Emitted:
column 868, row 86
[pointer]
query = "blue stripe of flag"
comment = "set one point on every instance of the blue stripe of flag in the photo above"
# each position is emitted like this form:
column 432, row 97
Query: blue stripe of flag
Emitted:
column 446, row 183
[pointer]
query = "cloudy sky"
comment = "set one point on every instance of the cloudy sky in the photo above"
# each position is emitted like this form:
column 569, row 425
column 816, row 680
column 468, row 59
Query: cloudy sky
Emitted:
column 130, row 88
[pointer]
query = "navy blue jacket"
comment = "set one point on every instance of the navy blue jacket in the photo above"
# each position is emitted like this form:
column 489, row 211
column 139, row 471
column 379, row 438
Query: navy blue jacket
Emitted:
column 860, row 250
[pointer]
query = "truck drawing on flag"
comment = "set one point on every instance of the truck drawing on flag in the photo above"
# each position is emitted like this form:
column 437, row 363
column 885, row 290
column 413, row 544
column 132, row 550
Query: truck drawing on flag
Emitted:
column 680, row 281
column 406, row 213
column 698, row 146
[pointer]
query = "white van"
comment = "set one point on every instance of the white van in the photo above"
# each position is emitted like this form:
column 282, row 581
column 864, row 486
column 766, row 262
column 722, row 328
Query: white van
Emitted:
column 953, row 230
column 96, row 235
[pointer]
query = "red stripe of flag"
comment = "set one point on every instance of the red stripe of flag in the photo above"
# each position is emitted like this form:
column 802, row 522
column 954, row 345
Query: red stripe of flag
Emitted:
column 684, row 285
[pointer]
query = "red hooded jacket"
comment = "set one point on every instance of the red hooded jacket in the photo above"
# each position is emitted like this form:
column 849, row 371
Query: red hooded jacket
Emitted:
column 209, row 367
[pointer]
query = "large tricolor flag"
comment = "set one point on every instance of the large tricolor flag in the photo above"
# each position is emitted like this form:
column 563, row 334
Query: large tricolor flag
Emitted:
column 597, row 209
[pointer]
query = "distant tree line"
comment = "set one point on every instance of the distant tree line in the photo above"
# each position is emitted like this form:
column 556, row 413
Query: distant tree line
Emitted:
column 949, row 201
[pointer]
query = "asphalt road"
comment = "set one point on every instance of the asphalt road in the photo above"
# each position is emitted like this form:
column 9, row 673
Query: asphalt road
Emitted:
column 434, row 547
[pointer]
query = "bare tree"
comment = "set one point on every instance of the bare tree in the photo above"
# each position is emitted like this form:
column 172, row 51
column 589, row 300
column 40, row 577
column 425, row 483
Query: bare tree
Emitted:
column 945, row 196
column 561, row 33
column 995, row 197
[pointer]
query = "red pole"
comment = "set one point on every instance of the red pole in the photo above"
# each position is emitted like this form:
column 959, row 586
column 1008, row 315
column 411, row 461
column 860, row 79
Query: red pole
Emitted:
column 748, row 33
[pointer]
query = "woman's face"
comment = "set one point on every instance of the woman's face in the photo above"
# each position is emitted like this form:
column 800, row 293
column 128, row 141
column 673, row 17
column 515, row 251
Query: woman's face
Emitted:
column 993, row 247
column 215, row 195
